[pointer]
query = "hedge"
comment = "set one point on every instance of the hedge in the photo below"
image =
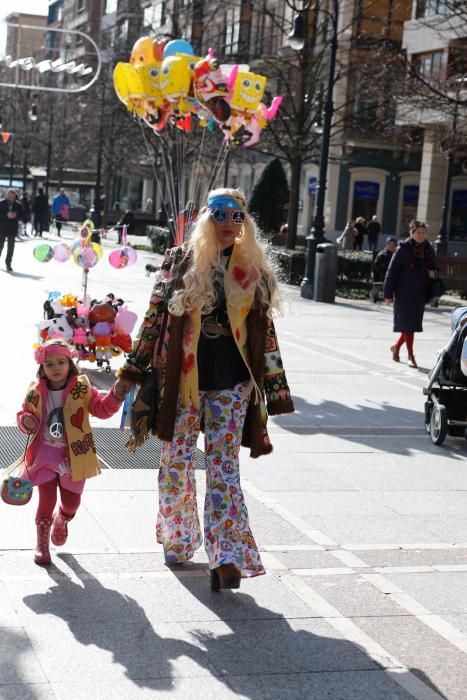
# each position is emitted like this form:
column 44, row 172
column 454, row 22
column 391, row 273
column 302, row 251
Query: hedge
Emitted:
column 353, row 268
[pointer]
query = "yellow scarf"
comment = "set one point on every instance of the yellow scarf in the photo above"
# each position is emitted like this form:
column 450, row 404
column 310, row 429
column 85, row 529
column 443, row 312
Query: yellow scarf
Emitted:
column 81, row 449
column 240, row 283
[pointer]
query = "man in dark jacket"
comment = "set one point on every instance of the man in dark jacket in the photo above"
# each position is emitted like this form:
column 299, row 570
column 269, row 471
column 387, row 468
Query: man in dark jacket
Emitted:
column 41, row 213
column 11, row 213
column 373, row 230
column 383, row 259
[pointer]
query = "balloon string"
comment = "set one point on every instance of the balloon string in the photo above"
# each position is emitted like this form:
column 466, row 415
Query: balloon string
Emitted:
column 164, row 201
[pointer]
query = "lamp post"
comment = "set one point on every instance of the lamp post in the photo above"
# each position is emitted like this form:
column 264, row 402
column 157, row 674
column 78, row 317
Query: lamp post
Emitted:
column 297, row 41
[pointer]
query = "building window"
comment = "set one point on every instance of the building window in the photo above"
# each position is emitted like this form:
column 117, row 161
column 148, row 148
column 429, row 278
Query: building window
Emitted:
column 81, row 6
column 365, row 199
column 123, row 30
column 155, row 15
column 429, row 65
column 428, row 8
column 111, row 6
column 232, row 31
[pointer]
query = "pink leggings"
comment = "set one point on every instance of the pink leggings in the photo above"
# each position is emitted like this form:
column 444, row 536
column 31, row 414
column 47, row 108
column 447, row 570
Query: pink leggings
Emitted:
column 406, row 338
column 48, row 498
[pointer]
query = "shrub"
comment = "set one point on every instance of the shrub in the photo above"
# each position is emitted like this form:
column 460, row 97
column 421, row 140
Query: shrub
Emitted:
column 160, row 238
column 291, row 264
column 354, row 270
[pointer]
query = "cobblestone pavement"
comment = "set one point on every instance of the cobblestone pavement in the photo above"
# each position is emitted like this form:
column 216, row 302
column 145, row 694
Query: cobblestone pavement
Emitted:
column 361, row 522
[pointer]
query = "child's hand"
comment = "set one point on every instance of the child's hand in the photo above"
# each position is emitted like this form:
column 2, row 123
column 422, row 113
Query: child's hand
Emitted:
column 121, row 388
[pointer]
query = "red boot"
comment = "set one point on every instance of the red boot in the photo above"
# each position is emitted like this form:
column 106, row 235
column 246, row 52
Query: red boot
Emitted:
column 59, row 527
column 42, row 555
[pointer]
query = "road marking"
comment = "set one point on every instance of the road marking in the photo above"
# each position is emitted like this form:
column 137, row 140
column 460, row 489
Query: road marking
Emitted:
column 349, row 630
column 443, row 628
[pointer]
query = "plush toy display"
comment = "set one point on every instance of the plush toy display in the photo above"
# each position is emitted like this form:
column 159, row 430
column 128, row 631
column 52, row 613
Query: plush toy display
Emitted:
column 99, row 329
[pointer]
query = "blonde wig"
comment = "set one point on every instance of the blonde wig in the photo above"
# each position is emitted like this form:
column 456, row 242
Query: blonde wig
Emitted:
column 206, row 263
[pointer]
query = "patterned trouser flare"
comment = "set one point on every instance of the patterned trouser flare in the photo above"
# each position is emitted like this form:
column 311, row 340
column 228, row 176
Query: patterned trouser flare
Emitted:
column 228, row 538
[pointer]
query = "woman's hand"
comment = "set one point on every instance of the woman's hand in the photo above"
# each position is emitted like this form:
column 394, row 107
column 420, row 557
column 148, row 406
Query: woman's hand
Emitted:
column 121, row 388
column 431, row 274
column 388, row 301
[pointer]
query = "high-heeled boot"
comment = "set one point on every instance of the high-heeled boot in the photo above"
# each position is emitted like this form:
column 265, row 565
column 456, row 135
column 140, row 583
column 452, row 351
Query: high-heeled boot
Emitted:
column 42, row 554
column 225, row 576
column 60, row 527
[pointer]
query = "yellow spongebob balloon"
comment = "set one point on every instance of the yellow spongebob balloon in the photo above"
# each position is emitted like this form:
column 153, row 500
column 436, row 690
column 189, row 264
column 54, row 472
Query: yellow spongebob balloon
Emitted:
column 149, row 76
column 248, row 92
column 127, row 85
column 176, row 78
column 146, row 58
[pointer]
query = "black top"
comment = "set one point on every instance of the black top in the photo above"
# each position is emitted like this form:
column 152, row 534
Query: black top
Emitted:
column 8, row 226
column 220, row 364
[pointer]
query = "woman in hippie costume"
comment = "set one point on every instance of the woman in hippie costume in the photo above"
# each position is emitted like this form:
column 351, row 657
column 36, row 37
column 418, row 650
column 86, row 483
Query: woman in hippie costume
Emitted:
column 208, row 359
column 61, row 453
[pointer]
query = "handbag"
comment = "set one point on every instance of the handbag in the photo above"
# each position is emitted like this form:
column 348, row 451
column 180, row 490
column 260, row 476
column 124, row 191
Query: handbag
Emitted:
column 144, row 411
column 16, row 491
column 436, row 289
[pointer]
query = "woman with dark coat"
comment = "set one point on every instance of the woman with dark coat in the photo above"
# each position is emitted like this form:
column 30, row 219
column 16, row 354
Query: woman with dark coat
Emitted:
column 360, row 233
column 209, row 337
column 407, row 282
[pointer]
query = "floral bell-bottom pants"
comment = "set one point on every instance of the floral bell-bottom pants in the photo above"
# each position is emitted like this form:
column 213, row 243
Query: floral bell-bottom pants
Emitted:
column 228, row 538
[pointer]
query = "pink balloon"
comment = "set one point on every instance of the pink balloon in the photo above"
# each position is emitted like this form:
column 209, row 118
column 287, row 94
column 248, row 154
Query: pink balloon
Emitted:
column 122, row 257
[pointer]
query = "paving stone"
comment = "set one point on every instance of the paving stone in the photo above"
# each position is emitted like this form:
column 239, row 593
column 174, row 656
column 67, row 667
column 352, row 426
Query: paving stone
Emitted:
column 457, row 621
column 346, row 685
column 440, row 592
column 170, row 686
column 328, row 503
column 190, row 599
column 307, row 560
column 26, row 691
column 18, row 661
column 280, row 646
column 353, row 596
column 383, row 529
column 414, row 557
column 422, row 502
column 428, row 656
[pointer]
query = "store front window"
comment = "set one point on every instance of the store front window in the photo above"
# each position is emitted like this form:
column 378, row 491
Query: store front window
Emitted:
column 365, row 199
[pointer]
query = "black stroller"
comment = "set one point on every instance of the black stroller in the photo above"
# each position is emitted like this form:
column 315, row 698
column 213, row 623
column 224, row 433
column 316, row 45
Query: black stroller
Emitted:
column 446, row 403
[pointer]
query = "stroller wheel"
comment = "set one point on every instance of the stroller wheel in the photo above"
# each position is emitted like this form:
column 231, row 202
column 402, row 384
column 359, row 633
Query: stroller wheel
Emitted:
column 438, row 424
column 428, row 407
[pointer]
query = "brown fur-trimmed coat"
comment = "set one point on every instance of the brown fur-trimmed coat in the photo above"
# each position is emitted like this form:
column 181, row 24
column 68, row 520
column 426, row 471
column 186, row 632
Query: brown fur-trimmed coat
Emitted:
column 158, row 345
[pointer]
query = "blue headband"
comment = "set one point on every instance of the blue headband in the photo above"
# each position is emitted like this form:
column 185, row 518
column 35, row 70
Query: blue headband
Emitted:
column 223, row 201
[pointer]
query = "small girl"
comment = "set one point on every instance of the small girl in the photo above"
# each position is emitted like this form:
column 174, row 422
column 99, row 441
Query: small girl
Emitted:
column 61, row 452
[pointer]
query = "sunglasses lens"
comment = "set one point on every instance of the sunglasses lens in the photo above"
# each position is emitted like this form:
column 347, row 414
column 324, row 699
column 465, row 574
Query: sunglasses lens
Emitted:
column 238, row 217
column 219, row 215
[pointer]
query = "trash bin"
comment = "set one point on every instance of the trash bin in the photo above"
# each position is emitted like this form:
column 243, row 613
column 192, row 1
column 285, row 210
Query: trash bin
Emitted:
column 325, row 273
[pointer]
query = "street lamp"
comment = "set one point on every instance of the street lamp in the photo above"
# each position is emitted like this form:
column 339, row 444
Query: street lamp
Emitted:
column 316, row 235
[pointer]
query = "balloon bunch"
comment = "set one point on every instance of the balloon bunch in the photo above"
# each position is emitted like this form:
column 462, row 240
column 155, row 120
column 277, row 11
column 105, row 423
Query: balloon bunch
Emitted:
column 85, row 253
column 99, row 330
column 165, row 83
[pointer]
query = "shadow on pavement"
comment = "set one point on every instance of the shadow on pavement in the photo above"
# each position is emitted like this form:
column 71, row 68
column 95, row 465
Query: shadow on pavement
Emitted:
column 262, row 656
column 365, row 424
column 24, row 275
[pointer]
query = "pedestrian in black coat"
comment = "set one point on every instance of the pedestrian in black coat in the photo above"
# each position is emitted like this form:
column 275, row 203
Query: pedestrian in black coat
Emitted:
column 407, row 282
column 11, row 213
column 41, row 211
column 360, row 233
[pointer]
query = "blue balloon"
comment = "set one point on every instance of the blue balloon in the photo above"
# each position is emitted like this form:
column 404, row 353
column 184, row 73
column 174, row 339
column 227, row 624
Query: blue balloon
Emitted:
column 178, row 46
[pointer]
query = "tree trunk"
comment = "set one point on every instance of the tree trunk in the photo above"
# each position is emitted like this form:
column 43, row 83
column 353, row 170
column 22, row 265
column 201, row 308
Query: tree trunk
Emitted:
column 294, row 198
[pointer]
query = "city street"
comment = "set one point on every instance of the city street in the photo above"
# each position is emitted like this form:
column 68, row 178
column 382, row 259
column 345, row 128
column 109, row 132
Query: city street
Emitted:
column 360, row 519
